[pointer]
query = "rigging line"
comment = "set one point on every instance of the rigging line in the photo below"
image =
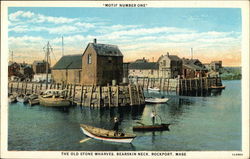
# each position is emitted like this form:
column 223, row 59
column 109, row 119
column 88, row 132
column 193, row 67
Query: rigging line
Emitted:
column 53, row 54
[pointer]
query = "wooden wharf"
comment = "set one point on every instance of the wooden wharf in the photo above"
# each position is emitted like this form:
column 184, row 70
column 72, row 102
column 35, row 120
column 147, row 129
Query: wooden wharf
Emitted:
column 183, row 87
column 86, row 95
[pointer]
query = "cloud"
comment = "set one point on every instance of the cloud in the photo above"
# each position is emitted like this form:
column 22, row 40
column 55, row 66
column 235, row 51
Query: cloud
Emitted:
column 31, row 17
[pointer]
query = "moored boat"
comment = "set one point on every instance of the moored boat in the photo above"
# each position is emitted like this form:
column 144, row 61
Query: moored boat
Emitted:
column 12, row 98
column 156, row 127
column 153, row 89
column 156, row 100
column 33, row 102
column 106, row 135
column 22, row 98
column 218, row 87
column 54, row 98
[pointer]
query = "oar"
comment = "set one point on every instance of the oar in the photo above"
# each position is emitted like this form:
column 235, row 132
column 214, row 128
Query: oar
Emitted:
column 84, row 140
column 140, row 123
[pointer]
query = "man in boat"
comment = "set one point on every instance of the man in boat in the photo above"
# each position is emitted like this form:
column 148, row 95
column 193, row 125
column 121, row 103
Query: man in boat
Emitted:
column 116, row 126
column 153, row 115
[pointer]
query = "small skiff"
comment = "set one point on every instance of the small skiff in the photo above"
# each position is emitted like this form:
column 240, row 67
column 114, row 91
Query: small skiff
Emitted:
column 33, row 102
column 22, row 98
column 156, row 127
column 218, row 87
column 12, row 99
column 156, row 100
column 154, row 89
column 106, row 135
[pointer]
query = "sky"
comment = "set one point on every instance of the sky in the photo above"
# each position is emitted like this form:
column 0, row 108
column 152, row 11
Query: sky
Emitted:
column 213, row 33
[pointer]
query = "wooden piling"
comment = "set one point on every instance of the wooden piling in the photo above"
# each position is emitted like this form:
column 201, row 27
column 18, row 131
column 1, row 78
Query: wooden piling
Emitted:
column 81, row 95
column 147, row 83
column 74, row 90
column 138, row 95
column 11, row 88
column 160, row 84
column 36, row 88
column 117, row 95
column 109, row 99
column 100, row 96
column 32, row 86
column 91, row 93
column 130, row 94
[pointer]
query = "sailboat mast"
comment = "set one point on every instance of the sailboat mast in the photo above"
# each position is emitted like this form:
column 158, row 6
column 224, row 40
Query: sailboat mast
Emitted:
column 62, row 47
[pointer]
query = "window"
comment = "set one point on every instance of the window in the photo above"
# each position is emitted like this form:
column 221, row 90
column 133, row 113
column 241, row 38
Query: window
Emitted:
column 89, row 59
column 109, row 59
column 164, row 62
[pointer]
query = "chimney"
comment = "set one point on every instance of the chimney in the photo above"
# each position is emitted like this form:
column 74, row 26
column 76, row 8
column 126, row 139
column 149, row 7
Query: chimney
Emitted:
column 167, row 53
column 95, row 41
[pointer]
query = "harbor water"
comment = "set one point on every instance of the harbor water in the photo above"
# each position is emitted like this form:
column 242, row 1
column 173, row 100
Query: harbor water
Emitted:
column 197, row 124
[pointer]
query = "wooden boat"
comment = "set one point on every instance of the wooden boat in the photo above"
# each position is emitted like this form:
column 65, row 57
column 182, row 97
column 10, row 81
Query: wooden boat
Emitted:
column 34, row 102
column 218, row 87
column 153, row 89
column 156, row 100
column 22, row 98
column 12, row 98
column 106, row 135
column 156, row 127
column 54, row 98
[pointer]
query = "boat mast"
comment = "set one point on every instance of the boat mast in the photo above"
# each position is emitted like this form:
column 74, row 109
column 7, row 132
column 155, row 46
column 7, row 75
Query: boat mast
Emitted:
column 62, row 47
column 48, row 49
column 12, row 57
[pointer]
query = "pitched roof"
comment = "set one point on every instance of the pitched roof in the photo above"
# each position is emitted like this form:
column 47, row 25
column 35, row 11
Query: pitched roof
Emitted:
column 174, row 58
column 106, row 49
column 171, row 57
column 144, row 66
column 192, row 63
column 69, row 62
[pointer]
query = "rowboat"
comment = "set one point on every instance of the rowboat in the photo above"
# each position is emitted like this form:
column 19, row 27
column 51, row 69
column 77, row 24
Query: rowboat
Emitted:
column 153, row 89
column 33, row 102
column 106, row 135
column 156, row 100
column 22, row 98
column 12, row 98
column 218, row 87
column 156, row 127
column 54, row 98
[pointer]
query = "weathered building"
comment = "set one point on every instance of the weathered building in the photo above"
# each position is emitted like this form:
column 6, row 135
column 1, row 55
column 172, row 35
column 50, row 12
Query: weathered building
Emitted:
column 170, row 66
column 40, row 67
column 193, row 68
column 13, row 69
column 216, row 65
column 101, row 64
column 144, row 69
column 68, row 69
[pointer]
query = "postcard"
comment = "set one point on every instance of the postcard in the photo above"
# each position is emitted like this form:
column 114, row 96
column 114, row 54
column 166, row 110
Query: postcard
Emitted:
column 125, row 79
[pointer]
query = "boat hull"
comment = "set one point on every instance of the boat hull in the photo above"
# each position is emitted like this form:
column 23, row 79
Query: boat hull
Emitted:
column 156, row 100
column 54, row 102
column 33, row 102
column 161, row 127
column 111, row 138
column 22, row 99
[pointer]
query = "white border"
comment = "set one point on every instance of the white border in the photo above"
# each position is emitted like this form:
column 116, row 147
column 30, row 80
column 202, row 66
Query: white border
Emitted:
column 244, row 5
